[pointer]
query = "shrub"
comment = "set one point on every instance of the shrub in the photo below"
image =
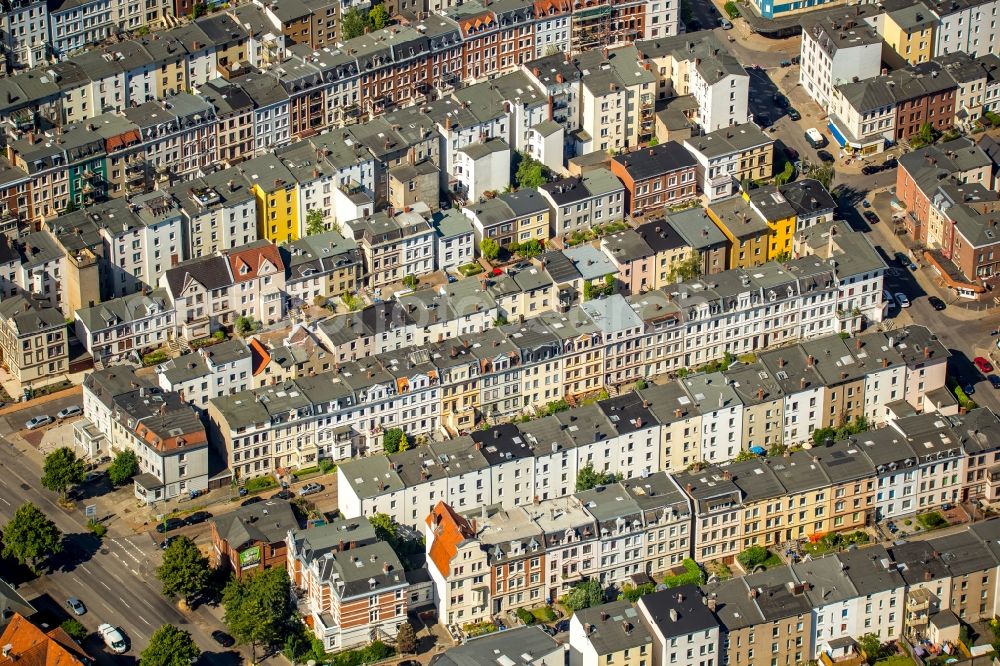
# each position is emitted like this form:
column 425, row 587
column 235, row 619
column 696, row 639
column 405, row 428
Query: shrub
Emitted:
column 326, row 465
column 753, row 557
column 633, row 592
column 76, row 631
column 931, row 520
column 258, row 483
column 732, row 9
column 479, row 629
column 468, row 270
column 154, row 358
column 98, row 529
column 693, row 575
column 525, row 616
column 544, row 614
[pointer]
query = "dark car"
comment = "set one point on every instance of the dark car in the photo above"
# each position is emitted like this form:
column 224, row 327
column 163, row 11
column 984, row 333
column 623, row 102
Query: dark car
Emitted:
column 890, row 163
column 251, row 500
column 284, row 494
column 780, row 100
column 824, row 156
column 243, row 491
column 936, row 303
column 795, row 59
column 871, row 217
column 793, row 114
column 169, row 524
column 562, row 626
column 871, row 169
column 223, row 639
column 785, row 63
column 969, row 389
column 905, row 261
column 994, row 381
column 197, row 517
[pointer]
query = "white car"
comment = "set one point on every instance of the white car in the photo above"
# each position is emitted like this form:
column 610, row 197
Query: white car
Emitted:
column 903, row 301
column 37, row 422
column 113, row 638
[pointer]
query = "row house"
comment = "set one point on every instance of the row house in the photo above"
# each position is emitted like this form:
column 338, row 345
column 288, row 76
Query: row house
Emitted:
column 519, row 217
column 579, row 203
column 730, row 156
column 121, row 329
column 656, row 178
column 213, row 371
column 219, row 210
column 354, row 586
column 33, row 341
column 493, row 560
column 164, row 432
column 837, row 50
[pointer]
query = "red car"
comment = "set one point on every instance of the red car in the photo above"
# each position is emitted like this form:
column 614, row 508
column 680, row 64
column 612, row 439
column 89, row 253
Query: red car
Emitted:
column 983, row 365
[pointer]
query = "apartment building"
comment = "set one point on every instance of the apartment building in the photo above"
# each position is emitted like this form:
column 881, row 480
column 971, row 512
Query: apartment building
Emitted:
column 210, row 372
column 220, row 212
column 655, row 178
column 33, row 341
column 121, row 329
column 909, row 31
column 25, row 26
column 837, row 50
column 252, row 538
column 730, row 156
column 520, row 217
column 393, row 247
column 579, row 203
column 610, row 633
column 354, row 585
column 683, row 623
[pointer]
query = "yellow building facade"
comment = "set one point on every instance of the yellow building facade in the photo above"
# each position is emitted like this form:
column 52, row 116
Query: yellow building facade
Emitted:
column 910, row 33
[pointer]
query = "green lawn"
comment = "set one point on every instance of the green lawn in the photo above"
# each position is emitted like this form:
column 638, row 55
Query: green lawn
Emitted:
column 896, row 660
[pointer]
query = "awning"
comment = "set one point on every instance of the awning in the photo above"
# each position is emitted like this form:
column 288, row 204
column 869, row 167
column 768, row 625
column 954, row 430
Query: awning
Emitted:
column 836, row 134
column 759, row 450
column 148, row 482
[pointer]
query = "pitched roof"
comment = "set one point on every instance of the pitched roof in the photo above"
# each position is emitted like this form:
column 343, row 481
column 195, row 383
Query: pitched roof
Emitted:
column 210, row 272
column 246, row 262
column 450, row 530
column 30, row 646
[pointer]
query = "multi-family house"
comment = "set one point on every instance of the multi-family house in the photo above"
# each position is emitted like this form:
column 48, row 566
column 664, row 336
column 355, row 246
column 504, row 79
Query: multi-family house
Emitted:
column 519, row 217
column 219, row 210
column 120, row 329
column 683, row 624
column 579, row 203
column 610, row 633
column 33, row 341
column 655, row 178
column 221, row 369
column 837, row 50
column 393, row 247
column 321, row 266
column 354, row 586
column 258, row 287
column 200, row 290
column 730, row 156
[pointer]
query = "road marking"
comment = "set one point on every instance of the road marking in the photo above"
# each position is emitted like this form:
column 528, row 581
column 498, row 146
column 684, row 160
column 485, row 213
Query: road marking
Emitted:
column 4, row 501
column 149, row 605
column 124, row 602
column 84, row 567
column 144, row 620
column 105, row 585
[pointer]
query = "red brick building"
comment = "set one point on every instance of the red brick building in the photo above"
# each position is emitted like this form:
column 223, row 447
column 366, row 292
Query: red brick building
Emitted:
column 922, row 98
column 252, row 538
column 664, row 175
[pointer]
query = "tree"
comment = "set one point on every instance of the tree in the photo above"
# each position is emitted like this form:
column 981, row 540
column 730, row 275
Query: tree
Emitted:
column 351, row 301
column 30, row 536
column 394, row 441
column 353, row 23
column 411, row 281
column 70, row 207
column 76, row 631
column 753, row 557
column 123, row 467
column 170, row 646
column 314, row 222
column 871, row 645
column 61, row 470
column 198, row 10
column 745, row 454
column 258, row 607
column 244, row 325
column 824, row 175
column 641, row 384
column 378, row 17
column 530, row 172
column 585, row 595
column 588, row 478
column 185, row 572
column 653, row 142
column 489, row 248
column 689, row 269
column 786, row 174
column 406, row 639
column 532, row 248
column 385, row 526
column 927, row 133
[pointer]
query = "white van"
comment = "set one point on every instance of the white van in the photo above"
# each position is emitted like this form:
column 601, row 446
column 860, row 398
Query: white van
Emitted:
column 815, row 139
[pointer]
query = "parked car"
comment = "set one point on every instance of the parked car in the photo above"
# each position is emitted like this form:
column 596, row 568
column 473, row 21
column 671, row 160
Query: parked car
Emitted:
column 37, row 422
column 815, row 139
column 825, row 156
column 969, row 388
column 795, row 59
column 936, row 303
column 865, row 203
column 890, row 163
column 902, row 300
column 785, row 63
column 994, row 381
column 871, row 216
column 251, row 500
column 197, row 517
column 905, row 261
column 780, row 100
column 169, row 524
column 793, row 114
column 113, row 638
column 76, row 606
column 562, row 626
column 72, row 410
column 243, row 491
column 726, row 24
column 983, row 365
column 310, row 488
column 223, row 639
column 870, row 169
column 284, row 494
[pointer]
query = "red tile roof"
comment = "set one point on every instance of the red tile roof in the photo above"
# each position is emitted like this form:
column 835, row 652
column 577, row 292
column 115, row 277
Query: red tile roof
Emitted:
column 246, row 261
column 450, row 529
column 30, row 646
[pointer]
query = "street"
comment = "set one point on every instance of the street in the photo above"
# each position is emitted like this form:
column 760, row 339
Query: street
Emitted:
column 114, row 578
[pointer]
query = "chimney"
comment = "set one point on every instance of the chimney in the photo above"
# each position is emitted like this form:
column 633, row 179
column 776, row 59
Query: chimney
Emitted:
column 689, row 487
column 677, row 413
column 727, row 476
column 712, row 604
column 885, row 363
column 385, row 568
column 604, row 616
column 811, row 360
column 803, row 383
column 927, row 576
column 781, row 362
column 858, row 344
column 928, row 352
column 760, row 394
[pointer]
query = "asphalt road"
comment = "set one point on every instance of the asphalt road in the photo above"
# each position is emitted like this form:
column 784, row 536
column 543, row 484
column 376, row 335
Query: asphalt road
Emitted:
column 113, row 578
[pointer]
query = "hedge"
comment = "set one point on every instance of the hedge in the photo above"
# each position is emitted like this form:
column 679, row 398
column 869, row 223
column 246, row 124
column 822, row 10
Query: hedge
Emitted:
column 693, row 575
